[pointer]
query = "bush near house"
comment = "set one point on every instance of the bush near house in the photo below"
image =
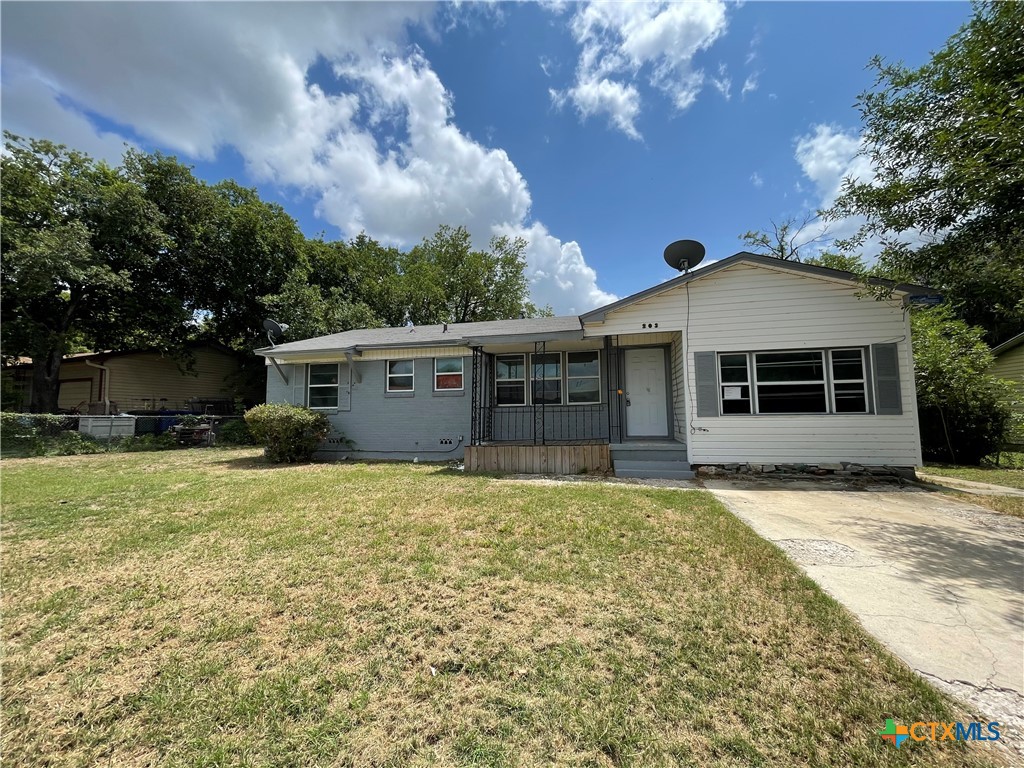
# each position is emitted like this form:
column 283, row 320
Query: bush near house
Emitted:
column 236, row 432
column 964, row 411
column 288, row 433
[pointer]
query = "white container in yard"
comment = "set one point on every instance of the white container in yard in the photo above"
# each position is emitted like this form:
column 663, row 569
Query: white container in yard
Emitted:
column 105, row 427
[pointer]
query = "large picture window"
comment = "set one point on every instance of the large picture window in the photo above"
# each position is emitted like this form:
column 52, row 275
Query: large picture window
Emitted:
column 323, row 385
column 583, row 377
column 510, row 379
column 448, row 374
column 400, row 376
column 790, row 382
column 806, row 381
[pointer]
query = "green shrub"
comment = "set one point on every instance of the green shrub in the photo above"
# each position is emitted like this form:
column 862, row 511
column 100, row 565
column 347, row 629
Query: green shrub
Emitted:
column 164, row 442
column 288, row 433
column 236, row 432
column 964, row 412
column 29, row 425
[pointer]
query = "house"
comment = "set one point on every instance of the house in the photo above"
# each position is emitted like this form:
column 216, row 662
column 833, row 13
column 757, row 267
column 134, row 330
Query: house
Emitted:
column 118, row 382
column 749, row 360
column 1009, row 365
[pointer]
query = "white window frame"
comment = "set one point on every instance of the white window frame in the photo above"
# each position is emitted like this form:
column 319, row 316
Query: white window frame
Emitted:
column 388, row 376
column 461, row 374
column 568, row 377
column 863, row 381
column 525, row 380
column 560, row 379
column 829, row 382
column 336, row 387
column 746, row 383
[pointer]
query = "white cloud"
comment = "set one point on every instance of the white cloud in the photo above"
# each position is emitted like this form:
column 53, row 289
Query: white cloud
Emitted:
column 377, row 150
column 826, row 156
column 722, row 82
column 618, row 41
column 558, row 270
column 750, row 84
column 31, row 107
column 756, row 180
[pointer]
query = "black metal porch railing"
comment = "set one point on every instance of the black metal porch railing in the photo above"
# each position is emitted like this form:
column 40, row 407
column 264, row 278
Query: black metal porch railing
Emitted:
column 542, row 423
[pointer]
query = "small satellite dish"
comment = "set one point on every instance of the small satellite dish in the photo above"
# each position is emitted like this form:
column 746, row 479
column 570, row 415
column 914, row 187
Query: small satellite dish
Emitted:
column 274, row 329
column 683, row 255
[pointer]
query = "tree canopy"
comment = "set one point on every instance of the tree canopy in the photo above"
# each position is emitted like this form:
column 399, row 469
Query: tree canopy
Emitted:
column 946, row 144
column 148, row 256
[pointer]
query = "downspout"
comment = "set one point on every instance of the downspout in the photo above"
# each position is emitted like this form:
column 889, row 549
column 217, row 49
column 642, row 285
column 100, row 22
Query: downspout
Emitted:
column 104, row 384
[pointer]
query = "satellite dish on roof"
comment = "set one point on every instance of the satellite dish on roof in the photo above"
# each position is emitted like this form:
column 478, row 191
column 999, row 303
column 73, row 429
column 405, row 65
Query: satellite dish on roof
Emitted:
column 274, row 329
column 684, row 255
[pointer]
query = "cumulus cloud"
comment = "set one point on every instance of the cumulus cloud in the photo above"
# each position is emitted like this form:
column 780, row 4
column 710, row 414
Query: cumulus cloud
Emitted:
column 827, row 155
column 377, row 148
column 33, row 108
column 620, row 42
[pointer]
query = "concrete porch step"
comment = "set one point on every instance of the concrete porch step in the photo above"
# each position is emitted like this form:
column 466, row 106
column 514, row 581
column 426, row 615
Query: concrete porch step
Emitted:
column 656, row 474
column 631, row 464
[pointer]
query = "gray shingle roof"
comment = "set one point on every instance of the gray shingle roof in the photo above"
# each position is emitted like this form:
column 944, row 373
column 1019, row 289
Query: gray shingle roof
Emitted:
column 429, row 335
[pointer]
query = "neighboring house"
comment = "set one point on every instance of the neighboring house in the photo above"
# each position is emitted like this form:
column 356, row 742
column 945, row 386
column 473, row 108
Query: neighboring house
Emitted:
column 91, row 382
column 747, row 360
column 1009, row 365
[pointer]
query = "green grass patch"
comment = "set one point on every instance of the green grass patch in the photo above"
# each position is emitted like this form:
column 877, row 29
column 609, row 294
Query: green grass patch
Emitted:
column 1010, row 472
column 202, row 607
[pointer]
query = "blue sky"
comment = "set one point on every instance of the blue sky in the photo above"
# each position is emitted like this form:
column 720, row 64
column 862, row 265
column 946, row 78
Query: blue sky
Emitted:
column 599, row 132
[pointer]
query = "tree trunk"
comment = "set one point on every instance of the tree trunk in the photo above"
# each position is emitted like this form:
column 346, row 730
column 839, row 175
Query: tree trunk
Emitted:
column 46, row 379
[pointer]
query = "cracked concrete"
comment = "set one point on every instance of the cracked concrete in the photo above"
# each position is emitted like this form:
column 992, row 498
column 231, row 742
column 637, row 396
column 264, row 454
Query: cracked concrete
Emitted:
column 937, row 580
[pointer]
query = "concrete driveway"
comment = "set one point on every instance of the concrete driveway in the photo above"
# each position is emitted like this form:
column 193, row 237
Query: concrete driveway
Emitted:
column 937, row 580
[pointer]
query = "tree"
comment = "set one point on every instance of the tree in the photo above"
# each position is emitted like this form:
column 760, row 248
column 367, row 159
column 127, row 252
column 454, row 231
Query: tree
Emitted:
column 446, row 281
column 946, row 145
column 963, row 410
column 227, row 247
column 786, row 239
column 82, row 261
column 842, row 262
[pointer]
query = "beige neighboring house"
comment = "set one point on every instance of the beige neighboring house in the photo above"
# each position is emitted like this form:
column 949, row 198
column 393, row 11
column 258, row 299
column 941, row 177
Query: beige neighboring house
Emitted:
column 1009, row 365
column 95, row 382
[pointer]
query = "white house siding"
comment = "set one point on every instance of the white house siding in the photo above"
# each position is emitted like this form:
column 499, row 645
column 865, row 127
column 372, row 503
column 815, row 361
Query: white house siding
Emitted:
column 749, row 308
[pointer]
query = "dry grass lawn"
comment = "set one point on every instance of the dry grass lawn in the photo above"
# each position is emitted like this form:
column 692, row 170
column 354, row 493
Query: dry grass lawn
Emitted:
column 201, row 608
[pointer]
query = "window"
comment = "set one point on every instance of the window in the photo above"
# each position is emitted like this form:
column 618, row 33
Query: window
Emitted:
column 400, row 375
column 547, row 378
column 583, row 377
column 790, row 382
column 510, row 379
column 447, row 373
column 793, row 382
column 735, row 383
column 849, row 389
column 323, row 385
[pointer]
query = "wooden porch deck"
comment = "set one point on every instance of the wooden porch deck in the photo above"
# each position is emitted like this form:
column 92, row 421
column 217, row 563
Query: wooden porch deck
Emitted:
column 538, row 459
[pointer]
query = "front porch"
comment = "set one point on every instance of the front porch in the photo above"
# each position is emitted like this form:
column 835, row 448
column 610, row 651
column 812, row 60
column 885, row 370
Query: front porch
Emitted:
column 579, row 405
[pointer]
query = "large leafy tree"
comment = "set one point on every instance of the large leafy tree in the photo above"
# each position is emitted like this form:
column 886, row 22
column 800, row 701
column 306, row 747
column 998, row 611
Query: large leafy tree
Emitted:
column 228, row 247
column 946, row 143
column 83, row 262
column 445, row 280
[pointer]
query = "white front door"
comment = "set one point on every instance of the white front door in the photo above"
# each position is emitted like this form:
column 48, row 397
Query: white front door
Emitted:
column 646, row 394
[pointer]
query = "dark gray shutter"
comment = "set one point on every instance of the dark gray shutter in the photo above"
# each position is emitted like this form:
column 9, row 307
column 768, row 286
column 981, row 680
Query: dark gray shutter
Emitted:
column 705, row 367
column 885, row 359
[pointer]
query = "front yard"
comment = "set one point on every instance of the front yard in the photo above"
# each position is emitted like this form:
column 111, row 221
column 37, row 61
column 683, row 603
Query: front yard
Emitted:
column 202, row 608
